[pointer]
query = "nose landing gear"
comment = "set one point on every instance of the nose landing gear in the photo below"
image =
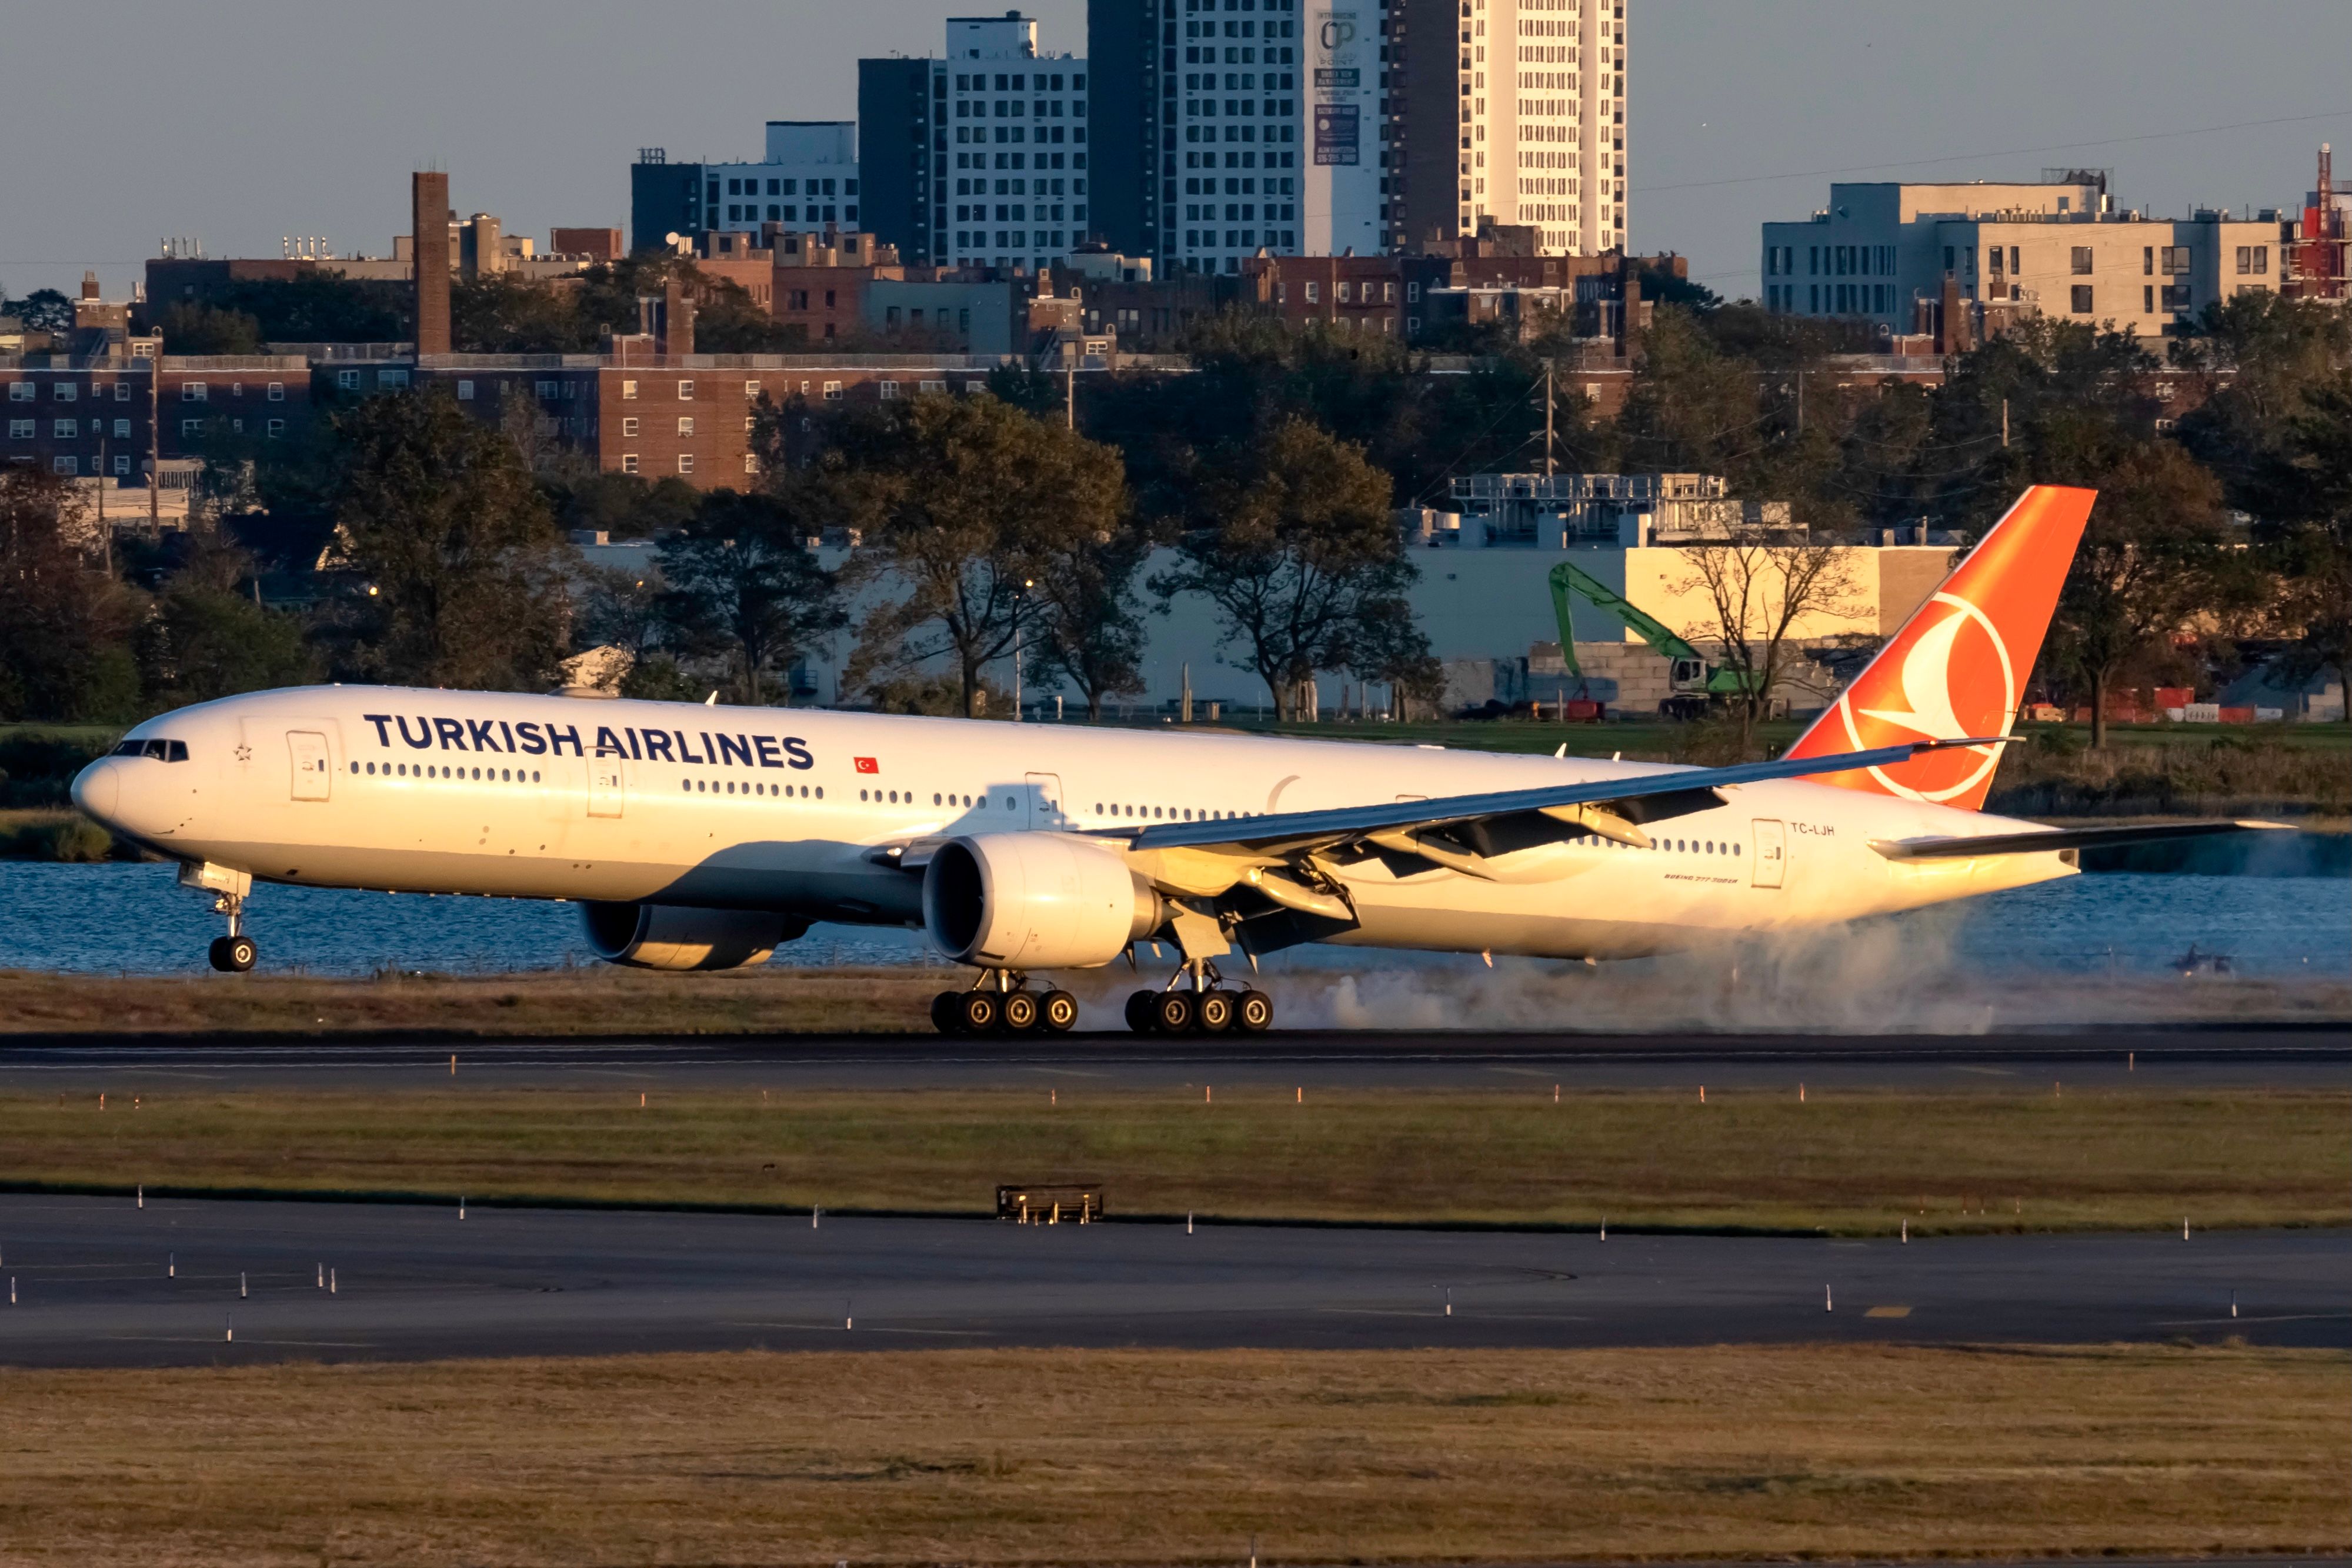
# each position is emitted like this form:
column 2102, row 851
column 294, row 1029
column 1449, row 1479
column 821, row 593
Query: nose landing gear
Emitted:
column 234, row 954
column 1000, row 1001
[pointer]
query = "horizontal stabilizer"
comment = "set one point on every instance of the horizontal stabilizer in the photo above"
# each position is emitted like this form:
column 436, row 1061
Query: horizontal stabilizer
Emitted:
column 2045, row 840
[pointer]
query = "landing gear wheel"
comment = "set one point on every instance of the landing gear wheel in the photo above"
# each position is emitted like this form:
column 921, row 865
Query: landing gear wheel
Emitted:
column 234, row 954
column 1138, row 1011
column 1057, row 1011
column 1174, row 1013
column 1215, row 1009
column 1021, row 1012
column 945, row 1007
column 1256, row 1013
column 977, row 1011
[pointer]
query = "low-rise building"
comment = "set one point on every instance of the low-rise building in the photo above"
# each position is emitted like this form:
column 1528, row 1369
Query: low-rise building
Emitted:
column 2059, row 247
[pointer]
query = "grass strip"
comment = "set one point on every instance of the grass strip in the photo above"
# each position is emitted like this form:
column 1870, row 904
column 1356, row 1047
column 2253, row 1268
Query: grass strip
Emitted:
column 1026, row 1456
column 602, row 1001
column 1695, row 993
column 1848, row 1162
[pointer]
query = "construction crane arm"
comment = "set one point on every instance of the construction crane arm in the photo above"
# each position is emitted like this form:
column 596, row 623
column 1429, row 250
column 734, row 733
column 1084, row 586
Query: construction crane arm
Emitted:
column 1565, row 578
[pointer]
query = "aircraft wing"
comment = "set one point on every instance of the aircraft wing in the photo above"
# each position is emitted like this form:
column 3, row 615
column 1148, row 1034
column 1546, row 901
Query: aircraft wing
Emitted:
column 2041, row 841
column 1287, row 832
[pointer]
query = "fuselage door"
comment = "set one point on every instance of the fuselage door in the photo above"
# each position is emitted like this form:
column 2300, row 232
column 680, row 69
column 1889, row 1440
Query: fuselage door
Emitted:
column 1045, row 800
column 312, row 762
column 607, row 787
column 1771, row 852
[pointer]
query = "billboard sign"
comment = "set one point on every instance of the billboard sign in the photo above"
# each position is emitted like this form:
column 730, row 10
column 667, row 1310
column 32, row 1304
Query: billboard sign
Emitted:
column 1338, row 139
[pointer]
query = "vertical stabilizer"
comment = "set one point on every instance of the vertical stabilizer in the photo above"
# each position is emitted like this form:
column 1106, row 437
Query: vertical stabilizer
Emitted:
column 1958, row 666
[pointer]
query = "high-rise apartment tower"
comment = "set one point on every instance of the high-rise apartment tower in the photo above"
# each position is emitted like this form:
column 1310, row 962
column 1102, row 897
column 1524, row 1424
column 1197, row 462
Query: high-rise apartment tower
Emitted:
column 1514, row 113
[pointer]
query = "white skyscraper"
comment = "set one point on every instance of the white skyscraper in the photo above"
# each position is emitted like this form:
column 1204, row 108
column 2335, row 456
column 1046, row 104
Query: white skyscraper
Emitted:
column 1515, row 114
column 1278, row 132
column 1014, row 193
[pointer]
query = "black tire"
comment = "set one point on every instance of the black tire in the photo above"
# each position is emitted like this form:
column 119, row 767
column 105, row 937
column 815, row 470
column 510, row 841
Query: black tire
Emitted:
column 1057, row 1012
column 978, row 1012
column 1174, row 1013
column 1138, row 1012
column 1021, row 1012
column 234, row 954
column 1254, row 1015
column 943, row 1013
column 1216, row 1010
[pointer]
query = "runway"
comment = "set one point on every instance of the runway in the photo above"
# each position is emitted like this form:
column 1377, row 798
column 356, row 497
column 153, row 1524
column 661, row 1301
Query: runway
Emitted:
column 101, row 1282
column 2318, row 1055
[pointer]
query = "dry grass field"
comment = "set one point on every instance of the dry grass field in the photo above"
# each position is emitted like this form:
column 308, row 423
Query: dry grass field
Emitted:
column 2040, row 1158
column 1165, row 1457
column 601, row 1001
column 1833, row 985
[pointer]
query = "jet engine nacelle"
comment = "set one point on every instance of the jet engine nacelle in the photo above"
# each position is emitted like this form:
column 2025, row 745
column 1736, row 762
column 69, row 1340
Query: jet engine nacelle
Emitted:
column 1034, row 900
column 671, row 936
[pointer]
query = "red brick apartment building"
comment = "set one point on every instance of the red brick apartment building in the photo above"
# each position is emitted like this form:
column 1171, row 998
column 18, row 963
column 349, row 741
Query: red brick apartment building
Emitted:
column 92, row 419
column 688, row 416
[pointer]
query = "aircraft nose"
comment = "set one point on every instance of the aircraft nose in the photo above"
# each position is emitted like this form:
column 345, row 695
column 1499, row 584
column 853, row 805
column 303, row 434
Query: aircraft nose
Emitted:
column 98, row 789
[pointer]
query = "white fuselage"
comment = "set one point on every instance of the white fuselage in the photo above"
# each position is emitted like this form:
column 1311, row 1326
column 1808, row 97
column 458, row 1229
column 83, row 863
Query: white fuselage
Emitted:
column 781, row 809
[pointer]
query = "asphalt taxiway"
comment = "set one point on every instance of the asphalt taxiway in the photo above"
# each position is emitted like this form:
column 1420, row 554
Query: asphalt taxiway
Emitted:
column 2318, row 1056
column 104, row 1281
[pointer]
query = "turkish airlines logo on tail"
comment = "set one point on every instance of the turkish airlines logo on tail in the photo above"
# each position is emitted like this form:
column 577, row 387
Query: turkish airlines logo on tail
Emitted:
column 1955, row 679
column 1958, row 667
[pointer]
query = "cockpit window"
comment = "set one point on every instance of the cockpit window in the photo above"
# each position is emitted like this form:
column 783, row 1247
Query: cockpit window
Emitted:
column 162, row 751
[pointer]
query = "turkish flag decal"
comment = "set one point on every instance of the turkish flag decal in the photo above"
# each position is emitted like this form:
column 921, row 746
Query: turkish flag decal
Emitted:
column 869, row 765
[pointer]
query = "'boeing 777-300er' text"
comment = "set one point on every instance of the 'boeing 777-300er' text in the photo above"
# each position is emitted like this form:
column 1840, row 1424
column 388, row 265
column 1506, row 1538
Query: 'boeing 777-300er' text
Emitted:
column 702, row 836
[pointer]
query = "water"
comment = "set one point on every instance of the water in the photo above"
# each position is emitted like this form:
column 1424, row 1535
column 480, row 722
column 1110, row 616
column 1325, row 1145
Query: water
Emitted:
column 133, row 918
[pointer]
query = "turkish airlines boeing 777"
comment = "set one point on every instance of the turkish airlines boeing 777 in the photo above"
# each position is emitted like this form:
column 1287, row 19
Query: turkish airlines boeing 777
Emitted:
column 700, row 838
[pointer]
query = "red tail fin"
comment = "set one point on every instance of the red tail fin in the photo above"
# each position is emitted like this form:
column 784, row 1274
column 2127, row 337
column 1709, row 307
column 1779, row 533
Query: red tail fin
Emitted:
column 1958, row 666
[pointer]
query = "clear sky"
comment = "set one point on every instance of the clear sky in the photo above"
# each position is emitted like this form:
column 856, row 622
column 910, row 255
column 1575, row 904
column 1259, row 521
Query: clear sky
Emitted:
column 243, row 121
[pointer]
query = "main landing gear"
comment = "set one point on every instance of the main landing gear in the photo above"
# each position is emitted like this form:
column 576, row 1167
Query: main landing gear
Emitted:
column 233, row 954
column 1206, row 1007
column 1000, row 1002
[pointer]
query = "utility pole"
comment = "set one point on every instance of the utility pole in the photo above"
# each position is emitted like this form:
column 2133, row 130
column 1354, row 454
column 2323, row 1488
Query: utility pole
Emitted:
column 1020, row 623
column 1070, row 387
column 1548, row 466
column 2004, row 424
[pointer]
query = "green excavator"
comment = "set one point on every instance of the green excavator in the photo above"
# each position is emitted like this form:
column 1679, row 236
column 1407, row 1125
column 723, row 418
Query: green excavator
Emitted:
column 1694, row 685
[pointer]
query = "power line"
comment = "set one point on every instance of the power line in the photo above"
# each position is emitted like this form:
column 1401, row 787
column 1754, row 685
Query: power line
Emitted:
column 2004, row 153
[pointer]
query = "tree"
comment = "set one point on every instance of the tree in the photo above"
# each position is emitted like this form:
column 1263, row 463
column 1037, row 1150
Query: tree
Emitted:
column 1691, row 407
column 625, row 506
column 456, row 573
column 1089, row 633
column 965, row 501
column 208, row 635
column 2308, row 533
column 2255, row 357
column 45, row 310
column 743, row 580
column 312, row 307
column 193, row 327
column 2154, row 557
column 1760, row 591
column 64, row 620
column 1292, row 541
